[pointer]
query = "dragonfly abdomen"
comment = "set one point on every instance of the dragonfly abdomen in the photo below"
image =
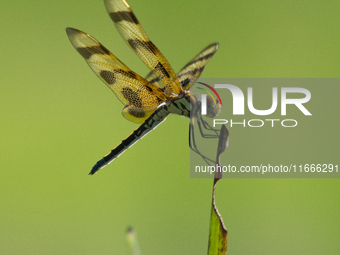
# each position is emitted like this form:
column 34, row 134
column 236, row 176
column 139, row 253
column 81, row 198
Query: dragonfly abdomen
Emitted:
column 149, row 124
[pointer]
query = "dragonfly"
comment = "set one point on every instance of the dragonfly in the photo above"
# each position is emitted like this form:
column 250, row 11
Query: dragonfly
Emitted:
column 147, row 101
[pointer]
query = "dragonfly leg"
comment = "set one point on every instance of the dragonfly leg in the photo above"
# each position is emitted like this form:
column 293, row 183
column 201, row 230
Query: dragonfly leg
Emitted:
column 201, row 122
column 208, row 127
column 193, row 146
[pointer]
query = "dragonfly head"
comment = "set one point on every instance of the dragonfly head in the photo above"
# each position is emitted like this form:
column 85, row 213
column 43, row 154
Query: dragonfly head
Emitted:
column 213, row 106
column 213, row 109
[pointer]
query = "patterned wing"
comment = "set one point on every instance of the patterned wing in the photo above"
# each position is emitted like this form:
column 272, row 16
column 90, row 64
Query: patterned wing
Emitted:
column 152, row 78
column 140, row 97
column 134, row 35
column 192, row 71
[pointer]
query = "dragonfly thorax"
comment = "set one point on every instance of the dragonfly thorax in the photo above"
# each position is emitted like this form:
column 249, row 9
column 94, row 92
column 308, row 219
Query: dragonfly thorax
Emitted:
column 180, row 104
column 186, row 103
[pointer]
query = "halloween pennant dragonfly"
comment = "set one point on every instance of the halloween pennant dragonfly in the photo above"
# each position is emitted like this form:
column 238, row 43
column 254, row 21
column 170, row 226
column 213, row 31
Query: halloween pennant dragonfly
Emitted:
column 147, row 101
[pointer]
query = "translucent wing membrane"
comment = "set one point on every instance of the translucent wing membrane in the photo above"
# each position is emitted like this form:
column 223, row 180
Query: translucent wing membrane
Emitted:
column 192, row 70
column 189, row 74
column 140, row 97
column 152, row 78
column 134, row 35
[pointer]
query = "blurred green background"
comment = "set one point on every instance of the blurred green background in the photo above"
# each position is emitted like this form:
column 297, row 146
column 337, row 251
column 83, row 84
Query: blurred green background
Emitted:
column 58, row 119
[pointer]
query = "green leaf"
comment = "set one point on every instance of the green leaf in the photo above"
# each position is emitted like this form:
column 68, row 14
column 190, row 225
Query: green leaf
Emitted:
column 218, row 232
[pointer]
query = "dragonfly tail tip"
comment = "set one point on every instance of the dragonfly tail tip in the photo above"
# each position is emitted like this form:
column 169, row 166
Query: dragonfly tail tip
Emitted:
column 93, row 171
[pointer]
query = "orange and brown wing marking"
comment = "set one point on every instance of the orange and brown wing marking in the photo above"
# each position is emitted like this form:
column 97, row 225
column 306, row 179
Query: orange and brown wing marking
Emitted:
column 140, row 97
column 192, row 70
column 134, row 35
column 153, row 79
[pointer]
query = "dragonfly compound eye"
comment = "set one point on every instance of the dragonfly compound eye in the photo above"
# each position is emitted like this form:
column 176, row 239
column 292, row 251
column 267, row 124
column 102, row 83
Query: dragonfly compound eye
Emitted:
column 212, row 108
